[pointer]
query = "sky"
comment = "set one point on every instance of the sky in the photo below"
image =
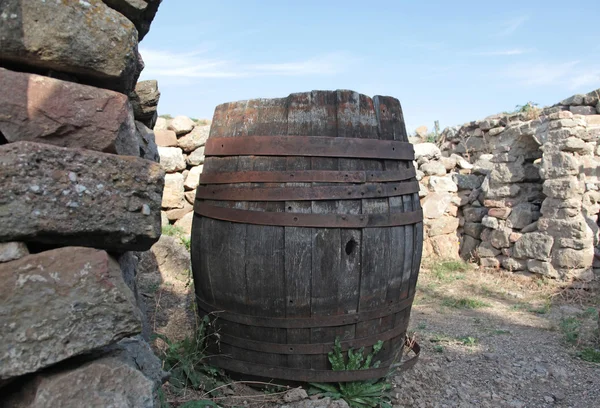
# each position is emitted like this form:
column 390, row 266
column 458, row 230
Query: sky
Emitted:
column 451, row 61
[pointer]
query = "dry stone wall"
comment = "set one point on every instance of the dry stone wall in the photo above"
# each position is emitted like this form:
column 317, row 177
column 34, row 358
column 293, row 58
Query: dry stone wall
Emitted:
column 181, row 144
column 526, row 198
column 80, row 194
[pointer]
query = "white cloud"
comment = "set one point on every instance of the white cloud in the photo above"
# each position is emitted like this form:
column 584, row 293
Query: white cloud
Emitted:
column 509, row 52
column 508, row 27
column 198, row 65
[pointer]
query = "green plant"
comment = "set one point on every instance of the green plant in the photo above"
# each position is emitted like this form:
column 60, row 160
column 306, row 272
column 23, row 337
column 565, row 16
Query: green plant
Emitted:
column 165, row 116
column 358, row 394
column 173, row 231
column 570, row 329
column 199, row 404
column 464, row 303
column 438, row 348
column 185, row 360
column 589, row 354
column 447, row 271
column 468, row 340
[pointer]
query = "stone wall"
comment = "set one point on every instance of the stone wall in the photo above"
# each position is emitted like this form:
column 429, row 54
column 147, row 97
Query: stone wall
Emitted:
column 80, row 195
column 530, row 200
column 181, row 148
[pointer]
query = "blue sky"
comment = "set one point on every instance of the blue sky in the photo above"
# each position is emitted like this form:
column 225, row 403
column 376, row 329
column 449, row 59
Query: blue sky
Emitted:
column 452, row 61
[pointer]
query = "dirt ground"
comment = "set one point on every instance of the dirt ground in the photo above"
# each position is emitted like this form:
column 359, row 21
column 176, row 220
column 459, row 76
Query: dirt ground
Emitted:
column 488, row 339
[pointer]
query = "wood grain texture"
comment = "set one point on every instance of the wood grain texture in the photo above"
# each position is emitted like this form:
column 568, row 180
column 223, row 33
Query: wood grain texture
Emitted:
column 293, row 272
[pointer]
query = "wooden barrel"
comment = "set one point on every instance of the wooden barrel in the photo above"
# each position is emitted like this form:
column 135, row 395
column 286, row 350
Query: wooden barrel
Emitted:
column 307, row 227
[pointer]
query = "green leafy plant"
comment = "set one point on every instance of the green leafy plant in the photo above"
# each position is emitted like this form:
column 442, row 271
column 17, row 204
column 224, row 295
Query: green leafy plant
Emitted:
column 199, row 404
column 447, row 271
column 589, row 354
column 570, row 329
column 173, row 231
column 358, row 394
column 186, row 360
column 464, row 303
column 468, row 340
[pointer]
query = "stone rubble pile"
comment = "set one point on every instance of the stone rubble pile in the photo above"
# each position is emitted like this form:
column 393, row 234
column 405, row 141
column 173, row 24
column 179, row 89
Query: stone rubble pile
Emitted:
column 181, row 144
column 80, row 192
column 527, row 195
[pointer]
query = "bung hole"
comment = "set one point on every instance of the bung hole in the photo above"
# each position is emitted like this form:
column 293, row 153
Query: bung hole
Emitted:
column 350, row 246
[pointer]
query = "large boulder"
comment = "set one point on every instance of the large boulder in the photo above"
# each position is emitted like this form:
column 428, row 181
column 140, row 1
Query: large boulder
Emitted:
column 173, row 194
column 111, row 381
column 144, row 101
column 139, row 12
column 181, row 125
column 195, row 139
column 435, row 204
column 171, row 159
column 427, row 151
column 48, row 110
column 81, row 304
column 86, row 39
column 148, row 148
column 78, row 197
column 534, row 245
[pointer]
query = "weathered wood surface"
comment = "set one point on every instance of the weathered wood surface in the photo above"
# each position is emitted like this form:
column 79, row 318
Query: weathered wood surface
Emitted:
column 296, row 272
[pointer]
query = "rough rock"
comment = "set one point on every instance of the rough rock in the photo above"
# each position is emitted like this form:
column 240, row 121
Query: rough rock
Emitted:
column 178, row 213
column 542, row 268
column 433, row 168
column 475, row 214
column 486, row 250
column 138, row 354
column 559, row 164
column 462, row 162
column 129, row 267
column 172, row 258
column 489, row 263
column 500, row 213
column 106, row 382
column 48, row 110
column 467, row 181
column 490, row 222
column 161, row 124
column 82, row 303
column 171, row 159
column 483, row 165
column 468, row 247
column 440, row 226
column 512, row 264
column 473, row 229
column 448, row 162
column 573, row 258
column 165, row 138
column 190, row 196
column 445, row 246
column 196, row 158
column 499, row 238
column 173, row 194
column 428, row 151
column 195, row 139
column 530, row 228
column 295, row 394
column 508, row 172
column 193, row 178
column 503, row 191
column 144, row 101
column 148, row 148
column 563, row 188
column 435, row 204
column 139, row 12
column 164, row 219
column 10, row 251
column 442, row 184
column 72, row 38
column 575, row 227
column 534, row 245
column 97, row 199
column 520, row 216
column 181, row 125
column 318, row 403
column 185, row 223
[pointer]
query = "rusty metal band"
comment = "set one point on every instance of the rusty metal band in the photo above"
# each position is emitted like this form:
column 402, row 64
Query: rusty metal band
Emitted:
column 304, row 322
column 310, row 375
column 309, row 146
column 336, row 192
column 319, row 348
column 308, row 220
column 305, row 176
